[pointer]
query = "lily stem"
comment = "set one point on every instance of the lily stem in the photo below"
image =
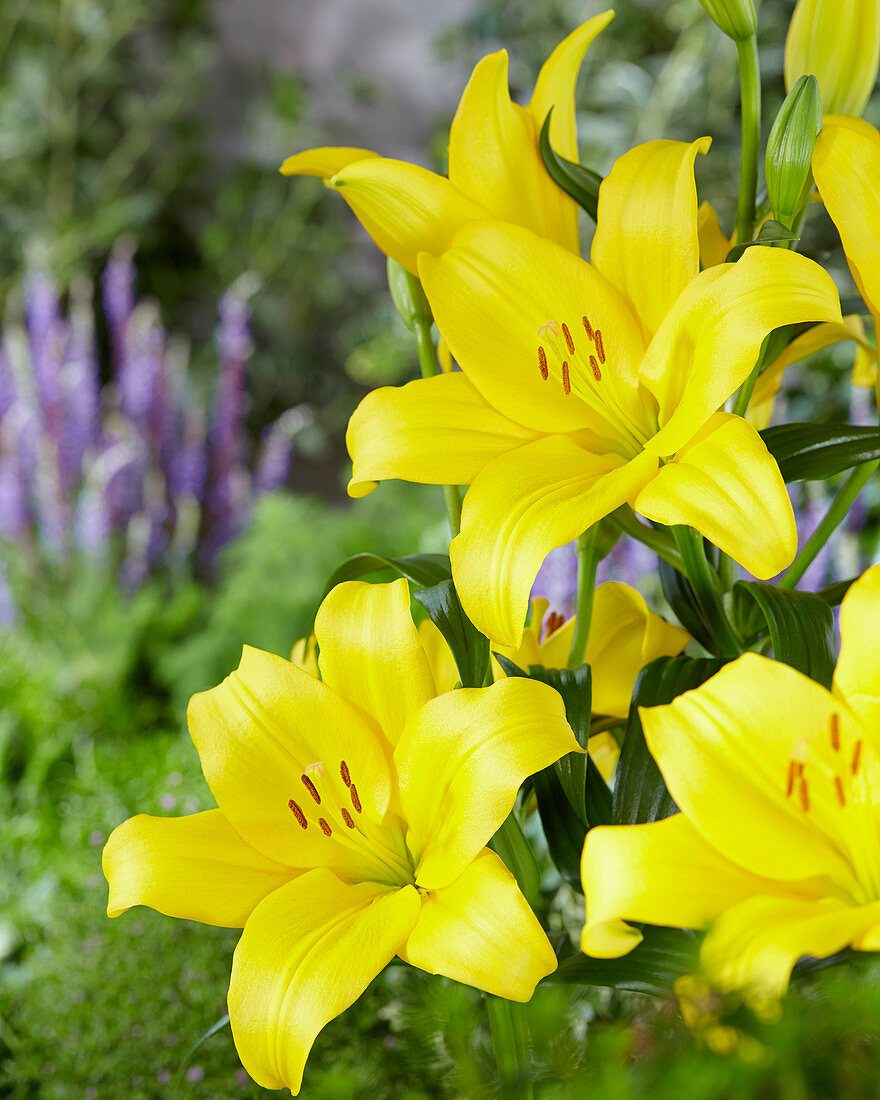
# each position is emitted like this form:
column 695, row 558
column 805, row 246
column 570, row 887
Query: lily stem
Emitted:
column 588, row 560
column 428, row 364
column 509, row 1029
column 706, row 586
column 835, row 515
column 750, row 99
column 658, row 541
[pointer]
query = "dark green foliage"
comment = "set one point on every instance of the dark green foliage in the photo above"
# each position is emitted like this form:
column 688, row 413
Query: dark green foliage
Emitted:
column 800, row 625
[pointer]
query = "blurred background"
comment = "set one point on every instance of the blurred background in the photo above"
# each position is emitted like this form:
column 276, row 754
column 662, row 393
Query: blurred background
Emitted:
column 184, row 336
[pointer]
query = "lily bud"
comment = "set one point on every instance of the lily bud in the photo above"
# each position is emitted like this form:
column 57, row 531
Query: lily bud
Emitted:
column 408, row 297
column 735, row 17
column 839, row 43
column 790, row 150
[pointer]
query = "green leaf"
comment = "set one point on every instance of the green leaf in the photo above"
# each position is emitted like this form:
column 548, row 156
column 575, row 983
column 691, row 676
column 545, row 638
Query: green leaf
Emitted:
column 640, row 795
column 813, row 452
column 771, row 233
column 800, row 625
column 663, row 956
column 423, row 570
column 833, row 594
column 574, row 179
column 469, row 647
column 683, row 600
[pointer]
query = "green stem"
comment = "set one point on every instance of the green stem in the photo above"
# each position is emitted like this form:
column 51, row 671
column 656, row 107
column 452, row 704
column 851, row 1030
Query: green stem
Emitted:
column 428, row 363
column 835, row 515
column 706, row 588
column 588, row 560
column 510, row 1038
column 750, row 89
column 658, row 541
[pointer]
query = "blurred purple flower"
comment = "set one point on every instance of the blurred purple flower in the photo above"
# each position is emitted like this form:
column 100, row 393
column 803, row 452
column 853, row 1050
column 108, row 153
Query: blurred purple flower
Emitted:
column 556, row 581
column 273, row 460
column 118, row 284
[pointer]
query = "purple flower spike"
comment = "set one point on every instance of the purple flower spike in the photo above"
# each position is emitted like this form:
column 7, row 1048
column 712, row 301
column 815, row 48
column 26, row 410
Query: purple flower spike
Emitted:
column 80, row 388
column 118, row 284
column 47, row 337
column 276, row 450
column 557, row 579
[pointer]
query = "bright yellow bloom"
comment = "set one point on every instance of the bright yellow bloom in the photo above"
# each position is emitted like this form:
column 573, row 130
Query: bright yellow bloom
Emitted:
column 495, row 165
column 777, row 846
column 584, row 386
column 353, row 817
column 839, row 44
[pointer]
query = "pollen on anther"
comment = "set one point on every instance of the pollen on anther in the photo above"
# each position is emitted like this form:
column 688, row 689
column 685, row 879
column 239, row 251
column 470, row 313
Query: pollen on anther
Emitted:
column 594, row 367
column 311, row 788
column 297, row 813
column 834, row 732
column 600, row 347
column 856, row 757
column 569, row 343
column 803, row 794
column 355, row 800
column 345, row 773
column 542, row 363
column 792, row 772
column 588, row 328
column 566, row 377
column 325, row 828
column 347, row 818
column 838, row 787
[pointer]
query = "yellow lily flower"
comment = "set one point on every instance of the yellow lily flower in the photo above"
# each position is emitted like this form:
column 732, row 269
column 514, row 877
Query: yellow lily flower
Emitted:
column 584, row 386
column 776, row 849
column 839, row 44
column 353, row 817
column 846, row 161
column 495, row 165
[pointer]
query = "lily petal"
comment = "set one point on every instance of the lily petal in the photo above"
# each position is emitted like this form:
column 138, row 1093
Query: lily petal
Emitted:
column 307, row 952
column 264, row 728
column 443, row 666
column 555, row 86
column 755, row 944
column 663, row 873
column 726, row 484
column 499, row 293
column 647, row 223
column 727, row 750
column 857, row 675
column 195, row 867
column 405, row 208
column 710, row 340
column 461, row 762
column 371, row 654
column 521, row 506
column 438, row 431
column 481, row 931
column 494, row 158
column 326, row 161
column 714, row 242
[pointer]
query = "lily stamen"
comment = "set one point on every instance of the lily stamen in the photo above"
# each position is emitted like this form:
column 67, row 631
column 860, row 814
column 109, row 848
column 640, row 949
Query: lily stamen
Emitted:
column 834, row 732
column 588, row 328
column 355, row 800
column 569, row 343
column 542, row 363
column 298, row 814
column 803, row 793
column 594, row 366
column 566, row 379
column 345, row 773
column 838, row 787
column 856, row 757
column 347, row 818
column 600, row 347
column 325, row 828
column 792, row 772
column 311, row 788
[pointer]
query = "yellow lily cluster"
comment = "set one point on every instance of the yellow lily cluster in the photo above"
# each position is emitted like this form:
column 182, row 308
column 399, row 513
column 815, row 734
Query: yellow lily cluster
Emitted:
column 358, row 785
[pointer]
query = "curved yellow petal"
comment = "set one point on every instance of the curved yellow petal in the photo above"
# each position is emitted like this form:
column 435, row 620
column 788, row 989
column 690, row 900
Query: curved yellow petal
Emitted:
column 554, row 650
column 461, row 761
column 499, row 294
column 196, row 867
column 518, row 509
column 710, row 341
column 714, row 242
column 857, row 675
column 846, row 163
column 326, row 161
column 555, row 86
column 443, row 666
column 260, row 732
column 663, row 873
column 726, row 484
column 730, row 752
column 494, row 158
column 647, row 224
column 840, row 46
column 438, row 431
column 371, row 653
column 480, row 930
column 755, row 944
column 605, row 752
column 308, row 952
column 405, row 208
column 624, row 636
column 305, row 656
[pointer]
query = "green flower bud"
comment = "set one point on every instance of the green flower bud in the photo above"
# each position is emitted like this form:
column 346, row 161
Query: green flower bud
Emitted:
column 790, row 150
column 735, row 17
column 408, row 297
